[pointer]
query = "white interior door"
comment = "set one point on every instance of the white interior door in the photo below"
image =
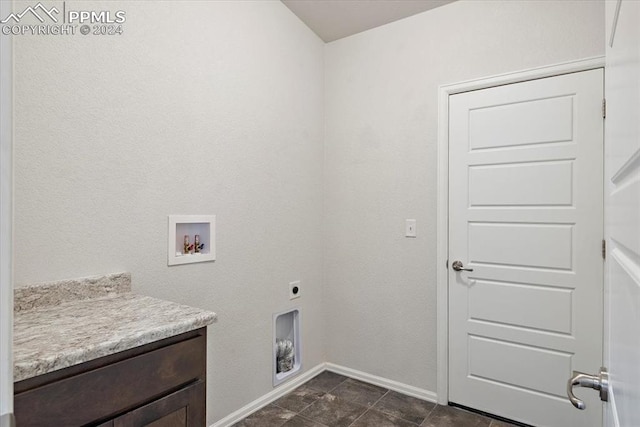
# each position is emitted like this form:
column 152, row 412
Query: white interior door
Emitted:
column 622, row 213
column 526, row 214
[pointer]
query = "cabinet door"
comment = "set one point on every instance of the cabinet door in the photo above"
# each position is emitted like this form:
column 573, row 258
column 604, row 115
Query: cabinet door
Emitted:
column 183, row 408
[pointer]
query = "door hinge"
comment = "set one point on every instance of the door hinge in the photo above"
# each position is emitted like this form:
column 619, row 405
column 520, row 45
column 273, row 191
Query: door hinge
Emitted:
column 604, row 249
column 604, row 108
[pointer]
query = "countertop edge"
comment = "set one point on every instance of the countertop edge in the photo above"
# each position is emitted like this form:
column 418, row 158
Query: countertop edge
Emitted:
column 26, row 370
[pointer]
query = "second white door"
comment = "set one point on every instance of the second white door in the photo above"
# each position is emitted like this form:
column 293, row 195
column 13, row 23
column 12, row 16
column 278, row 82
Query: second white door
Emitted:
column 526, row 214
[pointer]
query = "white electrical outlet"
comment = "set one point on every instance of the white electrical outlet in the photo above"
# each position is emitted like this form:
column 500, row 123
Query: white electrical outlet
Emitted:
column 294, row 290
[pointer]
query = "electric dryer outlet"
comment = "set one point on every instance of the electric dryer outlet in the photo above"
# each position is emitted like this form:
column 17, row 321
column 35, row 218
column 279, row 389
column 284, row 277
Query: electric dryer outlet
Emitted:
column 294, row 290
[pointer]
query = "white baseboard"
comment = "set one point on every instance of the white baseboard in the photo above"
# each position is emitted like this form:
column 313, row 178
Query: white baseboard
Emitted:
column 383, row 382
column 274, row 395
column 270, row 397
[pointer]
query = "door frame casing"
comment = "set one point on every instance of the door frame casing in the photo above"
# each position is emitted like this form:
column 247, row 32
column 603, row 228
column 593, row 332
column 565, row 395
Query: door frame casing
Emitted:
column 6, row 222
column 442, row 222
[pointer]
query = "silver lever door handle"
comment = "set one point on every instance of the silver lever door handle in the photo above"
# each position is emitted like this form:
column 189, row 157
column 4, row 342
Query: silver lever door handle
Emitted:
column 599, row 382
column 457, row 266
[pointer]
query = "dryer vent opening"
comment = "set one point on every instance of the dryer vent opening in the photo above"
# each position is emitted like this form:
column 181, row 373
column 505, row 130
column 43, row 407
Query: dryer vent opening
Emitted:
column 287, row 347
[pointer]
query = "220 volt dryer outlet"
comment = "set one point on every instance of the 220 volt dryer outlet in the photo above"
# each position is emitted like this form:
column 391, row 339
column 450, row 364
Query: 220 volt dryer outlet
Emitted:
column 294, row 290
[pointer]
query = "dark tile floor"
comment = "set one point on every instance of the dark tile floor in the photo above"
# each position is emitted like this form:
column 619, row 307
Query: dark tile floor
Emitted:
column 332, row 400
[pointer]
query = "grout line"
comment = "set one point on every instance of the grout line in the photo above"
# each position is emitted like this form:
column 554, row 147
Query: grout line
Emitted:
column 431, row 412
column 381, row 397
column 299, row 412
column 325, row 392
column 341, row 382
column 277, row 406
column 399, row 417
column 312, row 403
column 312, row 420
column 369, row 408
column 361, row 415
column 288, row 410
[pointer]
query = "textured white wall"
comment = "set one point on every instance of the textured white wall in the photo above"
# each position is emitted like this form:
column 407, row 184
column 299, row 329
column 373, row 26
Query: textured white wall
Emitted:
column 199, row 108
column 380, row 160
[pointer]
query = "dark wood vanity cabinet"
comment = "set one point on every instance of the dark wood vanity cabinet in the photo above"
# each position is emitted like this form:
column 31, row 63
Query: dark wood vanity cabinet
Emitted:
column 161, row 384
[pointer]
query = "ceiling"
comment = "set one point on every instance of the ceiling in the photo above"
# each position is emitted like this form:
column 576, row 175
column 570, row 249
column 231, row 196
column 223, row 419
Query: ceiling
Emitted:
column 335, row 19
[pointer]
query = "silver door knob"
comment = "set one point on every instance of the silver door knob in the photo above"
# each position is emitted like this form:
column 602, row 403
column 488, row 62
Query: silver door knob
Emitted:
column 599, row 382
column 457, row 266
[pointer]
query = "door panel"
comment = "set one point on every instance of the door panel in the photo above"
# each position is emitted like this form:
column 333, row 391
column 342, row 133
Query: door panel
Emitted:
column 526, row 214
column 522, row 123
column 544, row 365
column 520, row 244
column 538, row 184
column 518, row 305
column 622, row 212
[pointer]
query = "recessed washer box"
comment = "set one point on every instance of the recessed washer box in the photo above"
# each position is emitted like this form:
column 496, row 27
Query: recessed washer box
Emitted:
column 204, row 226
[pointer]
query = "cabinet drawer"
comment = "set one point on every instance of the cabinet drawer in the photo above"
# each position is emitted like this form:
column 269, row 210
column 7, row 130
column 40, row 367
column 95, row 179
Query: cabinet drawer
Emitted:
column 113, row 389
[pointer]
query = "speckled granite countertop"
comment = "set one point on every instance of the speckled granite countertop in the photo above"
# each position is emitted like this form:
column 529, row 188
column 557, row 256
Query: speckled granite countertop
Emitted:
column 61, row 324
